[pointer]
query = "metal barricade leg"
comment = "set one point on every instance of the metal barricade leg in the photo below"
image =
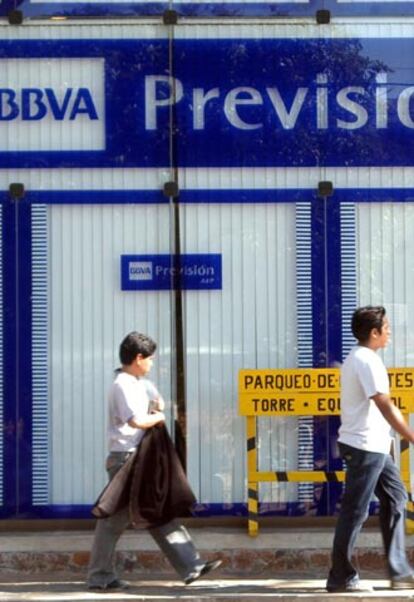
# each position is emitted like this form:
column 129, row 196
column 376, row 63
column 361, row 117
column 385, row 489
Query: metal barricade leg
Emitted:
column 405, row 475
column 253, row 486
column 252, row 504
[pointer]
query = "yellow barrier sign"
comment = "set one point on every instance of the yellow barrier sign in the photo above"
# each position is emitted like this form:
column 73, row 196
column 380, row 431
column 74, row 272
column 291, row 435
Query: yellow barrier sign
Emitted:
column 313, row 391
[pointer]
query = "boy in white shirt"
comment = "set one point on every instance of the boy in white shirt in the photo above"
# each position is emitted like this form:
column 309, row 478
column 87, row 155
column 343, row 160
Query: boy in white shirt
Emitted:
column 135, row 406
column 367, row 416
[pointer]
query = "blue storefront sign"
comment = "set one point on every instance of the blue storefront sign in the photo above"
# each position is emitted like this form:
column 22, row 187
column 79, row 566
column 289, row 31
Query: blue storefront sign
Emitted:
column 312, row 102
column 165, row 272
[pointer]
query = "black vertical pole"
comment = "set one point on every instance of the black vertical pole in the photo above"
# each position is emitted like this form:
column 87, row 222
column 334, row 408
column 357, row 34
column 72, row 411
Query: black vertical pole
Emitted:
column 172, row 191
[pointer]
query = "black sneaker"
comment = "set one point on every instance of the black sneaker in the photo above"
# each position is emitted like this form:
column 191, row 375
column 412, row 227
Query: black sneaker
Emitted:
column 113, row 585
column 403, row 582
column 206, row 568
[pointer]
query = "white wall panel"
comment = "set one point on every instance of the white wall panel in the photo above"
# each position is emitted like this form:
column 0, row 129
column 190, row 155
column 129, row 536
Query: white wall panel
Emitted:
column 83, row 29
column 209, row 28
column 297, row 28
column 251, row 323
column 208, row 178
column 86, row 179
column 89, row 316
column 385, row 274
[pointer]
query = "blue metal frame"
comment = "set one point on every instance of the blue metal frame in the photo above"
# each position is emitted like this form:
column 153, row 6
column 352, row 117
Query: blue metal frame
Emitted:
column 146, row 197
column 326, row 282
column 98, row 197
column 24, row 338
column 17, row 318
column 17, row 375
column 327, row 332
column 10, row 376
column 209, row 9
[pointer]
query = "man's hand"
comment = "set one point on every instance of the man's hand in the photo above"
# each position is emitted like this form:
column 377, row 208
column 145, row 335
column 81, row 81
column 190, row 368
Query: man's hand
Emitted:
column 393, row 416
column 156, row 405
column 148, row 422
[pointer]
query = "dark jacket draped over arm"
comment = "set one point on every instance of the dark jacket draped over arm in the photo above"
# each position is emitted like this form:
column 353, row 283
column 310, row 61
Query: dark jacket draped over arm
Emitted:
column 152, row 482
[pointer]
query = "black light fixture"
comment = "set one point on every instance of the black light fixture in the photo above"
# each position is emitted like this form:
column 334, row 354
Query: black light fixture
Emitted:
column 323, row 17
column 325, row 189
column 15, row 17
column 171, row 189
column 170, row 17
column 16, row 191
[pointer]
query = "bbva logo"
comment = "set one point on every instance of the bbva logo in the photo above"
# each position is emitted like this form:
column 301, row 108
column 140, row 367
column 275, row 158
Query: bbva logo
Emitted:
column 140, row 270
column 34, row 104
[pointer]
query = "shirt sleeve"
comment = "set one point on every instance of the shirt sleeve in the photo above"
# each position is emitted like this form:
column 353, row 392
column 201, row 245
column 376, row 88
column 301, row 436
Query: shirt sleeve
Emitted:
column 152, row 391
column 131, row 400
column 373, row 376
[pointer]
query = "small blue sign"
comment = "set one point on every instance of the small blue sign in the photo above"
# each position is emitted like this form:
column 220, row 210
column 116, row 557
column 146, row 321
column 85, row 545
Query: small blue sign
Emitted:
column 166, row 272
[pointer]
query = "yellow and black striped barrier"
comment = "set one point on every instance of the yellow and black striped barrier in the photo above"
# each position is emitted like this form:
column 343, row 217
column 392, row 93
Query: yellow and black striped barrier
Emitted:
column 308, row 392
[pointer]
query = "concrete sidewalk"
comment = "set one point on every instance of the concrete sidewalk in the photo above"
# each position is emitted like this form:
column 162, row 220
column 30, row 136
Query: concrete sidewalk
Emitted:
column 275, row 552
column 50, row 589
column 289, row 563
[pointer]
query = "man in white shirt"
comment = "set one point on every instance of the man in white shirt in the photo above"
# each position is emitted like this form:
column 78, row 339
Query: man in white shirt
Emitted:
column 135, row 406
column 367, row 416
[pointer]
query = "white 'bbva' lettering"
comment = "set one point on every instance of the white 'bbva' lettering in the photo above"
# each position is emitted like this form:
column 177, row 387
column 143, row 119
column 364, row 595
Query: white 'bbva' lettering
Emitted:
column 33, row 104
column 139, row 270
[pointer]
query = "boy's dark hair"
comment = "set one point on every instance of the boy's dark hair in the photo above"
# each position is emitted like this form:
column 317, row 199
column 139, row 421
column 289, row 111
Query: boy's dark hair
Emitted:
column 135, row 344
column 365, row 319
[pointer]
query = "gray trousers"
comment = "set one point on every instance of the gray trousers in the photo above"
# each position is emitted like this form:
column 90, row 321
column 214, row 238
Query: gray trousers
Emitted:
column 172, row 538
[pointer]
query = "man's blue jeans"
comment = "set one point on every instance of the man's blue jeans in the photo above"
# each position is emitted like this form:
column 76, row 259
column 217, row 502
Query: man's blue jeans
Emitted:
column 368, row 473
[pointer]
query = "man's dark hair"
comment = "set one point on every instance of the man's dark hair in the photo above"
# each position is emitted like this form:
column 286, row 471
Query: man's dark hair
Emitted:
column 365, row 319
column 135, row 344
